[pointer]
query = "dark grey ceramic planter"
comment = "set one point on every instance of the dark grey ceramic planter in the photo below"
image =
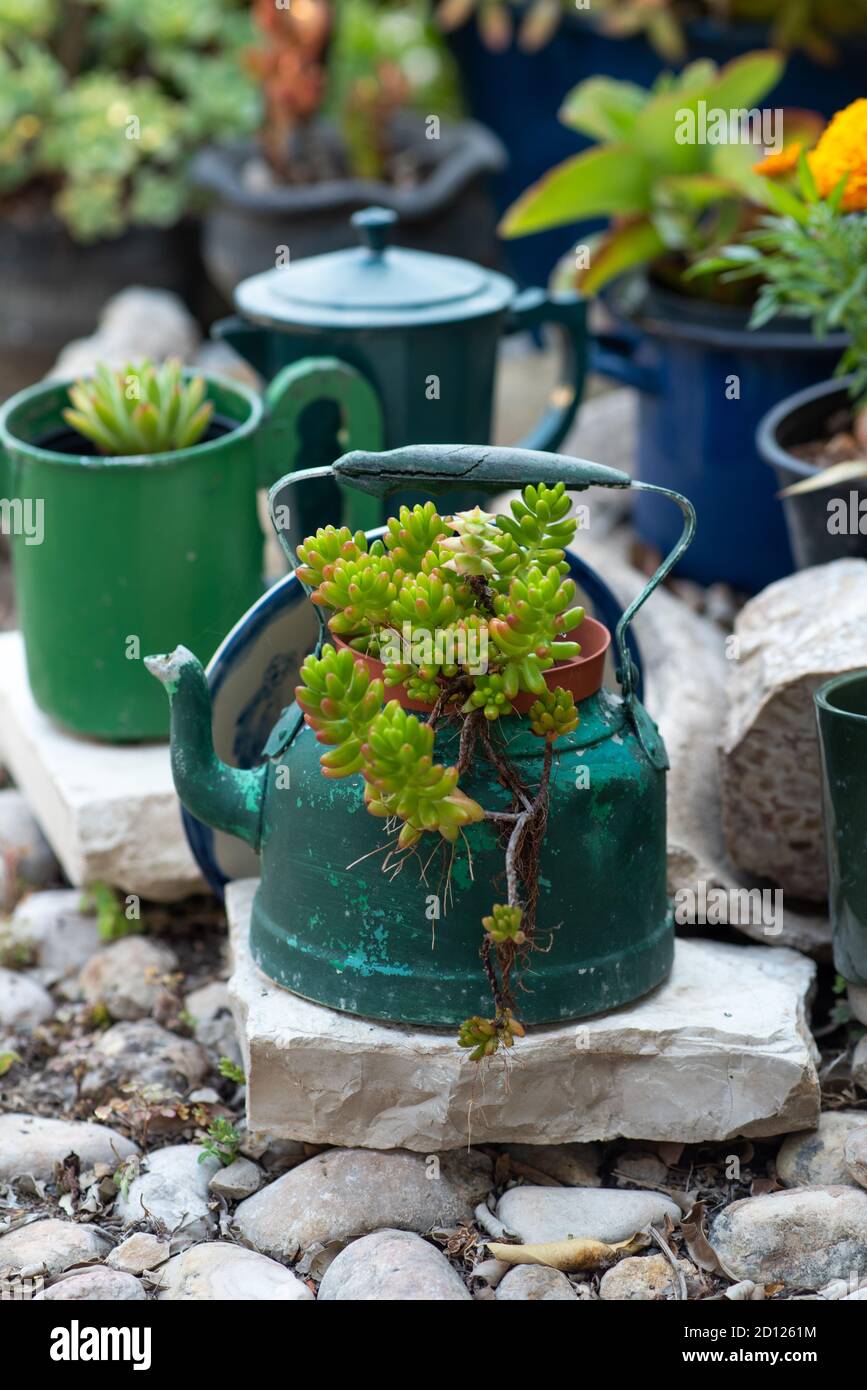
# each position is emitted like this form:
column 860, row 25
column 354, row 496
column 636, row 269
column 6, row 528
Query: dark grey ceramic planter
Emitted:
column 799, row 419
column 450, row 211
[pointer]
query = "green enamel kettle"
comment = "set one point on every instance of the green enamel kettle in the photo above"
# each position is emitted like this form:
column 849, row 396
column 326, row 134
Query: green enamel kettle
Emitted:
column 329, row 925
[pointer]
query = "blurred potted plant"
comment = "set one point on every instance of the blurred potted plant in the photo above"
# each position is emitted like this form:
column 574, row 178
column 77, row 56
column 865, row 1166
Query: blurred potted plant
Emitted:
column 538, row 49
column 672, row 191
column 353, row 98
column 101, row 106
column 810, row 260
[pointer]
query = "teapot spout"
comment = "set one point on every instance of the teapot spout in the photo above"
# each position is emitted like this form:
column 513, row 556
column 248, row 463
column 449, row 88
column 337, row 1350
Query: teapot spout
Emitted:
column 227, row 798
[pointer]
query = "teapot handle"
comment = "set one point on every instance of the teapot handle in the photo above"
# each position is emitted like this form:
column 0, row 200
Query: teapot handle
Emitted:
column 439, row 467
column 287, row 397
column 531, row 309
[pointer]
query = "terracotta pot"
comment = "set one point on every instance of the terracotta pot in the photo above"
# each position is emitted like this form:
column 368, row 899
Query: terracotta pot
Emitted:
column 582, row 675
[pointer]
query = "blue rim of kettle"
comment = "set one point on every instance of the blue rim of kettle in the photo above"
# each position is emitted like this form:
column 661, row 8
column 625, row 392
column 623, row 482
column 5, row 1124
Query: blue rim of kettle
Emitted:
column 288, row 590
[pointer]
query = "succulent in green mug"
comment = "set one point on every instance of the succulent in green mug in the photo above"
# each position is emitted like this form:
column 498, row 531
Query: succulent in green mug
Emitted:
column 142, row 409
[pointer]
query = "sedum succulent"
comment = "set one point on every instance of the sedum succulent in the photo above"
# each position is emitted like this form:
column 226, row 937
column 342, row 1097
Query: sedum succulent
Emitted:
column 553, row 714
column 140, row 410
column 464, row 612
column 403, row 779
column 340, row 702
column 485, row 1035
column 504, row 924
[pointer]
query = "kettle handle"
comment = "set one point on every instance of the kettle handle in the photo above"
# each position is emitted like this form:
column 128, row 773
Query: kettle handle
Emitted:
column 531, row 309
column 438, row 467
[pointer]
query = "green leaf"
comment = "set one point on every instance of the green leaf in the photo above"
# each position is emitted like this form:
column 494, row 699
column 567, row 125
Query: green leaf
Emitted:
column 695, row 191
column 603, row 108
column 622, row 249
column 784, row 201
column 746, row 81
column 600, row 182
column 806, row 182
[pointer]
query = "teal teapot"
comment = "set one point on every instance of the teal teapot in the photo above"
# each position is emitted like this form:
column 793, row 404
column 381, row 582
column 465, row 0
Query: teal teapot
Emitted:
column 391, row 347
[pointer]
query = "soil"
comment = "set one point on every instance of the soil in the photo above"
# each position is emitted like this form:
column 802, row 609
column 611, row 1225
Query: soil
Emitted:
column 319, row 155
column 839, row 444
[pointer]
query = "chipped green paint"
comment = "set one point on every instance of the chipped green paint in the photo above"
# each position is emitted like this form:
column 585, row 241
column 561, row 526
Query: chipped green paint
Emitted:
column 405, row 948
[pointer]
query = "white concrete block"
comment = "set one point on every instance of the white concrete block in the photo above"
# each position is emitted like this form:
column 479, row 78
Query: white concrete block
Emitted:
column 109, row 811
column 721, row 1049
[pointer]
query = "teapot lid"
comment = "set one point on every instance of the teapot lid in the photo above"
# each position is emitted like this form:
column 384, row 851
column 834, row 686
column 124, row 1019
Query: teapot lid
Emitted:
column 373, row 286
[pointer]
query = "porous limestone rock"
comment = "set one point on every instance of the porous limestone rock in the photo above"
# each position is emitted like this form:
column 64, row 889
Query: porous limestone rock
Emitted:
column 540, row 1214
column 391, row 1266
column 803, row 1237
column 537, row 1284
column 31, row 1145
column 139, row 322
column 139, row 1253
column 109, row 810
column 237, row 1180
column 816, row 1158
column 642, row 1277
column 141, row 1053
column 791, row 638
column 23, row 1002
column 172, row 1193
column 721, row 1049
column 344, row 1193
column 126, row 976
column 855, row 1154
column 56, row 931
column 26, row 858
column 228, row 1273
column 686, row 670
column 94, row 1286
column 50, row 1246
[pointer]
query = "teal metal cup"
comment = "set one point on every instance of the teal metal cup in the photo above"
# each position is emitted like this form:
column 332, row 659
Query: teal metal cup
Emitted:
column 841, row 711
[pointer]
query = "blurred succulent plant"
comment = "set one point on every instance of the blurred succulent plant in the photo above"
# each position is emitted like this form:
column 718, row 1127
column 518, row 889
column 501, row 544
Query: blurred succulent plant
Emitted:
column 103, row 102
column 140, row 410
column 439, row 588
column 360, row 62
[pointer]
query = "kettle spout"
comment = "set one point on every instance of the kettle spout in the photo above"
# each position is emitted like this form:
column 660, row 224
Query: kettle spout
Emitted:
column 227, row 798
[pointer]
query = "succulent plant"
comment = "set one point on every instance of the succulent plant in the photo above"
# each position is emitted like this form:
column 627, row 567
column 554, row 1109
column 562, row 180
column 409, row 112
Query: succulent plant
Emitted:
column 103, row 105
column 485, row 1035
column 403, row 780
column 554, row 714
column 433, row 591
column 504, row 924
column 362, row 591
column 410, row 535
column 340, row 702
column 320, row 552
column 140, row 410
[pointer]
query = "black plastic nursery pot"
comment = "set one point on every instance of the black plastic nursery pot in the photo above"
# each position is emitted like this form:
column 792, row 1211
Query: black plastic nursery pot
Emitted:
column 449, row 211
column 518, row 94
column 829, row 524
column 705, row 380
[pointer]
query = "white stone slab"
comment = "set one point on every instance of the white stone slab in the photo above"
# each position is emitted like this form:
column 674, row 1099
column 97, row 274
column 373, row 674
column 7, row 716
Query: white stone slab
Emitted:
column 109, row 811
column 721, row 1049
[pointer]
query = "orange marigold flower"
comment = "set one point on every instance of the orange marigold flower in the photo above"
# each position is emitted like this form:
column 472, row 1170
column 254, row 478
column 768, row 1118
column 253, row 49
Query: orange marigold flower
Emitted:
column 782, row 163
column 842, row 150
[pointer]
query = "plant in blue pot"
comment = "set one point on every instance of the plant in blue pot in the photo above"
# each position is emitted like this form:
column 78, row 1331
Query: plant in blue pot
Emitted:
column 809, row 258
column 673, row 171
